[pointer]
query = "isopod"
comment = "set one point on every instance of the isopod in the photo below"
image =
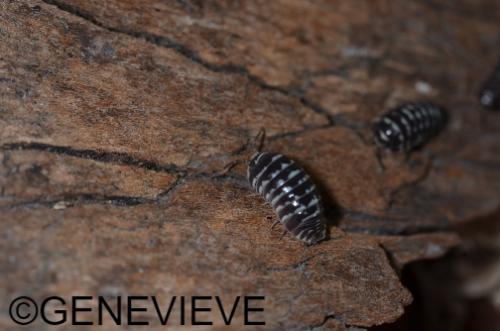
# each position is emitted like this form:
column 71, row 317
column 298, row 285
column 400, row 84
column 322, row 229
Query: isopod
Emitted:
column 291, row 193
column 408, row 126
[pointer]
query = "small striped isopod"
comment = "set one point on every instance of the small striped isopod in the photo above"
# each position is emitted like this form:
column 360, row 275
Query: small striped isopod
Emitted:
column 408, row 126
column 489, row 96
column 291, row 193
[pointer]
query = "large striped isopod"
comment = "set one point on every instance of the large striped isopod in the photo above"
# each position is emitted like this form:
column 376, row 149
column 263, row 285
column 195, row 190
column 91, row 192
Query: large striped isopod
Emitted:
column 489, row 96
column 291, row 193
column 409, row 125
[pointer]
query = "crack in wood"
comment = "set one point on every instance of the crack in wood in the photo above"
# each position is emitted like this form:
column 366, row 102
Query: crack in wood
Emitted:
column 195, row 57
column 80, row 199
column 77, row 199
column 183, row 176
column 97, row 155
column 390, row 259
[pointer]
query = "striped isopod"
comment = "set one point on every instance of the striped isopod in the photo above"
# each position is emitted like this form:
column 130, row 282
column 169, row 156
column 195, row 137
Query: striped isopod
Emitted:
column 408, row 126
column 291, row 193
column 489, row 96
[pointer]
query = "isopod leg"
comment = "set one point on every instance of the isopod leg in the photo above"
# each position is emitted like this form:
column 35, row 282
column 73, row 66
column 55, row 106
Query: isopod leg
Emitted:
column 273, row 225
column 259, row 139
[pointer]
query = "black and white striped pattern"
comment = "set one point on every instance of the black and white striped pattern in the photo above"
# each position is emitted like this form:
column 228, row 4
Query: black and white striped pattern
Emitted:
column 291, row 193
column 408, row 126
column 489, row 96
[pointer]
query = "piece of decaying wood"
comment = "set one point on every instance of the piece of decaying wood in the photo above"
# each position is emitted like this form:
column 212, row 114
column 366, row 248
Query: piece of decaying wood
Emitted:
column 114, row 118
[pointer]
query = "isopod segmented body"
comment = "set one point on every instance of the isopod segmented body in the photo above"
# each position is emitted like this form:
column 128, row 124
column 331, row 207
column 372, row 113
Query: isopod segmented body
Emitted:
column 408, row 126
column 291, row 193
column 489, row 96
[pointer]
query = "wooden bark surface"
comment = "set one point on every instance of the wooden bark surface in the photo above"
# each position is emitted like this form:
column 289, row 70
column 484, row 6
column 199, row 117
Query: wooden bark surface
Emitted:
column 115, row 115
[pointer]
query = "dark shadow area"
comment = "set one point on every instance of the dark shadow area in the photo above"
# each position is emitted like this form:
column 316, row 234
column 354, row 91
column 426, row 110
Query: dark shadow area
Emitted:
column 439, row 302
column 460, row 292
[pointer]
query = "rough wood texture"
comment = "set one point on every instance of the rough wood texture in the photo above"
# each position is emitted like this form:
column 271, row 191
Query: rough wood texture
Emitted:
column 115, row 115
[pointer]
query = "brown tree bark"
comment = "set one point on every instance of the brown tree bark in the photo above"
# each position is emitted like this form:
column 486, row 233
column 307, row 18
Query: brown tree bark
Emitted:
column 114, row 116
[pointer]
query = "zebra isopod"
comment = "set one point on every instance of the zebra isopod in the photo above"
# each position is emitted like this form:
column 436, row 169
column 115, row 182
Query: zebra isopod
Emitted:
column 291, row 193
column 409, row 125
